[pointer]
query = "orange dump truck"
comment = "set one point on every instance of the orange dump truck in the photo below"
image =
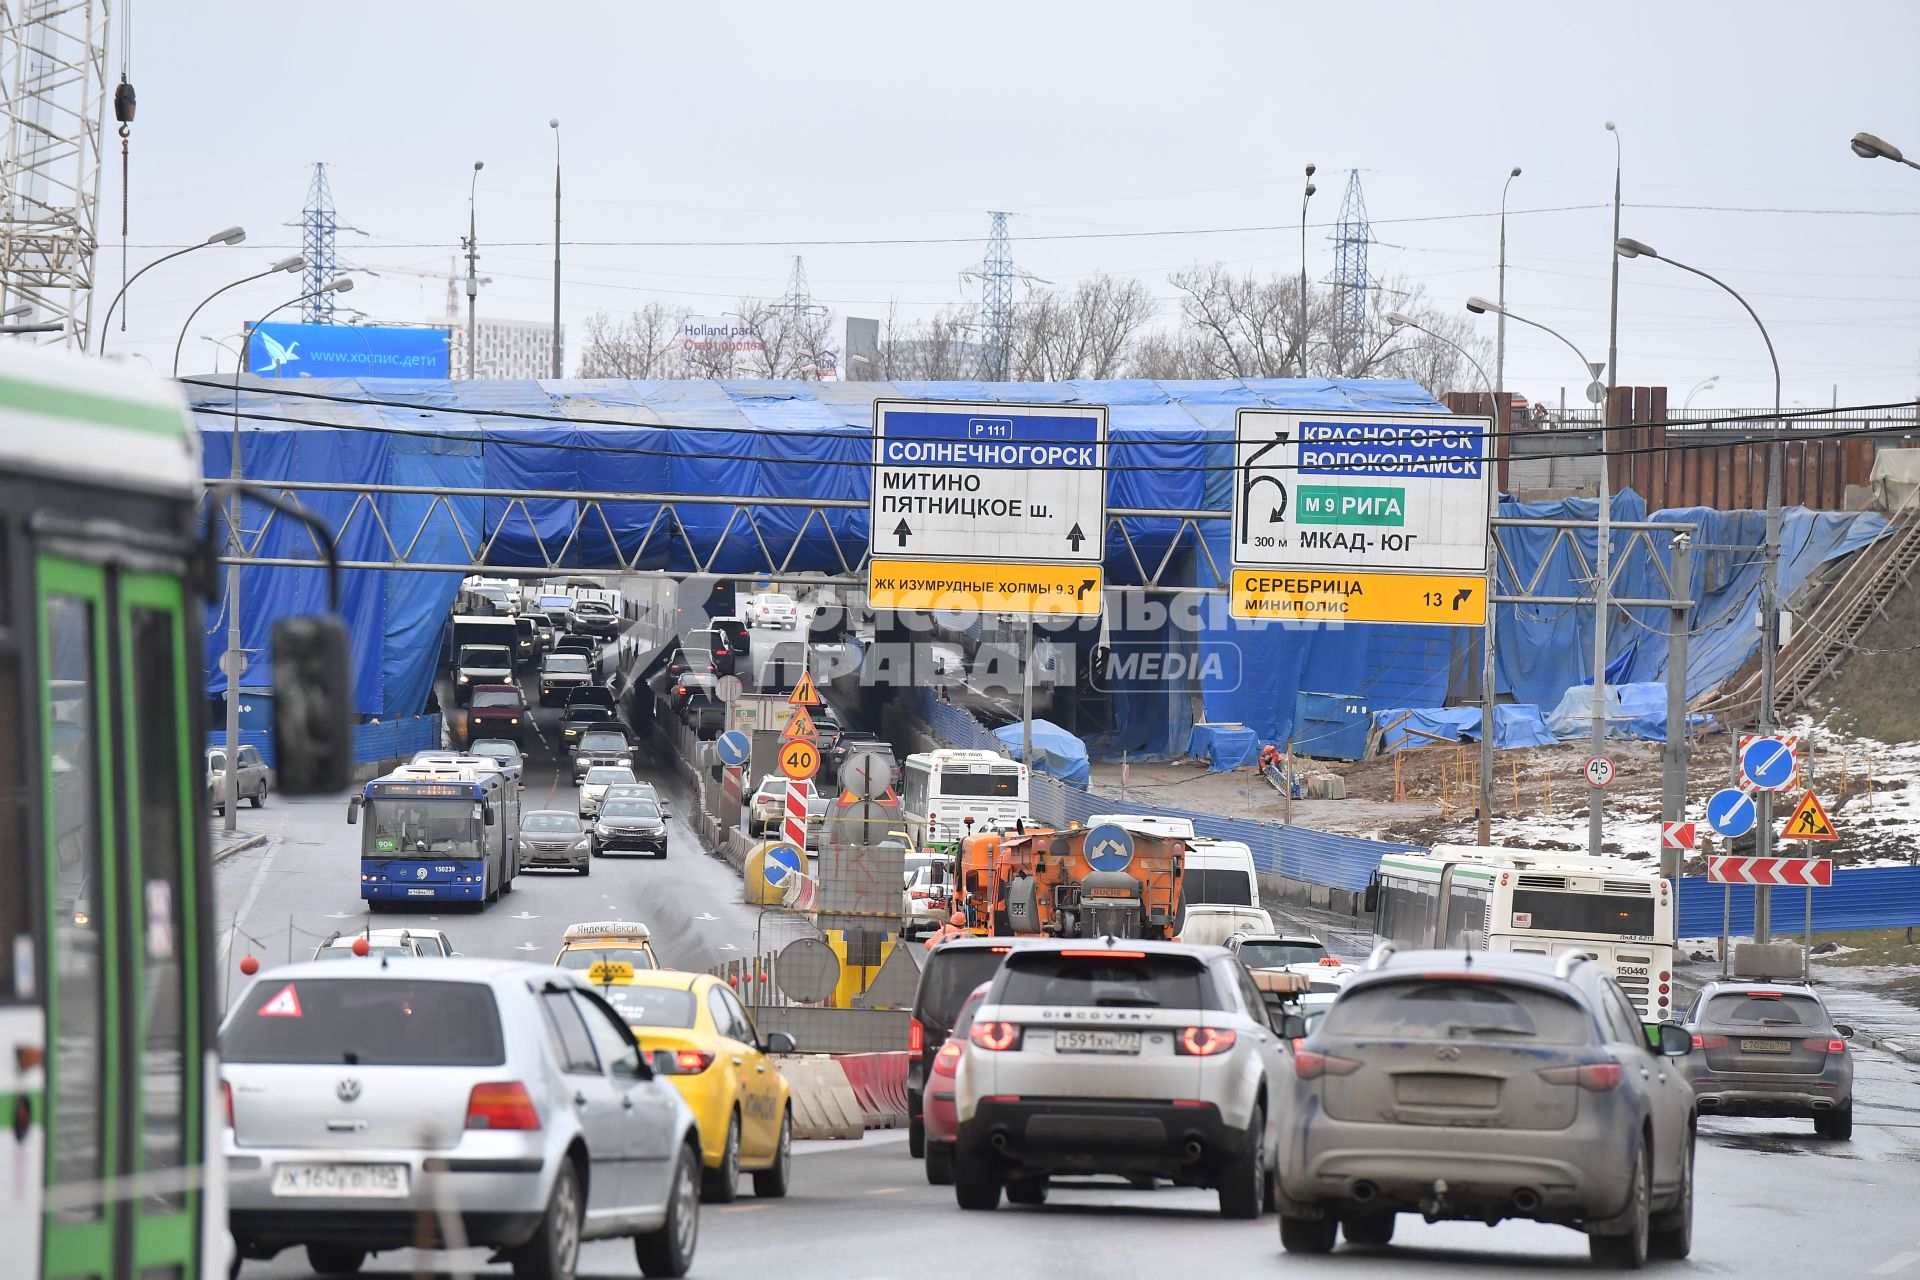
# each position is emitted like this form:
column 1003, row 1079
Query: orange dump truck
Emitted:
column 1039, row 883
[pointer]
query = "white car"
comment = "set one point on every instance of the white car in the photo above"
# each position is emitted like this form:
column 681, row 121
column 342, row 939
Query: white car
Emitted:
column 1136, row 1058
column 1212, row 923
column 595, row 784
column 768, row 807
column 772, row 609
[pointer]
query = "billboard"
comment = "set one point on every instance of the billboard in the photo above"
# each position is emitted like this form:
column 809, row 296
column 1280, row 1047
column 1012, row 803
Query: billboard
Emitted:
column 346, row 351
column 718, row 333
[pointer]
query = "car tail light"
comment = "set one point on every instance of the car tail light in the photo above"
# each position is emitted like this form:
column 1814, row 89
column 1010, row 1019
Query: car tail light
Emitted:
column 1594, row 1077
column 1094, row 954
column 947, row 1061
column 916, row 1038
column 1820, row 1044
column 1202, row 1042
column 683, row 1062
column 1709, row 1042
column 919, row 894
column 1311, row 1065
column 997, row 1037
column 505, row 1105
column 226, row 1096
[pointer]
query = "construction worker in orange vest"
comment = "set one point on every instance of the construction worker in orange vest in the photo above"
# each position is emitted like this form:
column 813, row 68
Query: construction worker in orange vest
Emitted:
column 955, row 927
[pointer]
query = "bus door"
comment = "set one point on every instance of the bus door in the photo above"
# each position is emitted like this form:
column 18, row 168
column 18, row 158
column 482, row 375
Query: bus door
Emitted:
column 122, row 977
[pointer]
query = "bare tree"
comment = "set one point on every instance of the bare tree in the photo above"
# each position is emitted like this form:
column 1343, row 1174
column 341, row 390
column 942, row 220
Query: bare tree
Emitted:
column 943, row 348
column 646, row 344
column 1088, row 333
column 1170, row 356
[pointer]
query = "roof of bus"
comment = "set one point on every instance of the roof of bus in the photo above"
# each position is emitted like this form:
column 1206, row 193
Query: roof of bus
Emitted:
column 1485, row 860
column 958, row 755
column 90, row 419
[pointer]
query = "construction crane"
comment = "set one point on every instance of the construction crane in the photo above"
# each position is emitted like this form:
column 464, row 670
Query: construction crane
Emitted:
column 452, row 276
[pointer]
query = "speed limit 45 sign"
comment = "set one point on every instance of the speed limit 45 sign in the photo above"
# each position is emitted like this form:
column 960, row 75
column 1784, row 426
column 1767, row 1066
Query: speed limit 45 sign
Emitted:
column 1599, row 771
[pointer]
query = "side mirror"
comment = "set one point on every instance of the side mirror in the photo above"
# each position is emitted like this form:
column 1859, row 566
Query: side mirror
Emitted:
column 1675, row 1041
column 353, row 810
column 779, row 1042
column 666, row 811
column 1293, row 1027
column 1370, row 900
column 312, row 705
column 486, row 814
column 1844, row 1031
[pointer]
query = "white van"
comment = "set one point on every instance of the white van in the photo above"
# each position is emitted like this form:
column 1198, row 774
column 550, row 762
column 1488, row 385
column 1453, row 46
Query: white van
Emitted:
column 1146, row 824
column 1208, row 924
column 1219, row 871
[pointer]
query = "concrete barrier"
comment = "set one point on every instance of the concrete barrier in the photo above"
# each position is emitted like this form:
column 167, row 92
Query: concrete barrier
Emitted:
column 879, row 1083
column 824, row 1105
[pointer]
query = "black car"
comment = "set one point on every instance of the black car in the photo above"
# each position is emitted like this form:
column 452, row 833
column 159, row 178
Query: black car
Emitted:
column 631, row 826
column 586, row 646
column 599, row 743
column 580, row 718
column 947, row 977
column 528, row 646
column 597, row 695
column 690, row 658
column 595, row 618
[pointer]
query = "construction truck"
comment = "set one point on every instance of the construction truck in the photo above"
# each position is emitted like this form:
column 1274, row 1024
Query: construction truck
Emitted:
column 1037, row 882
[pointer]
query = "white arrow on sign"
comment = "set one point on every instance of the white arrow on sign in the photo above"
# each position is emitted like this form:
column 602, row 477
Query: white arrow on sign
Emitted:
column 706, row 918
column 527, row 946
column 526, row 915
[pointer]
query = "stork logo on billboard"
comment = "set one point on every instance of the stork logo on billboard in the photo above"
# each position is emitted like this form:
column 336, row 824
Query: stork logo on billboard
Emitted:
column 277, row 355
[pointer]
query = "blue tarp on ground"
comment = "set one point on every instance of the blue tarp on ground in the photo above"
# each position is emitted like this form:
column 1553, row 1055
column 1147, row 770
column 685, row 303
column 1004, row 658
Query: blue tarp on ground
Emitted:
column 1514, row 725
column 1055, row 751
column 1223, row 746
column 1170, row 446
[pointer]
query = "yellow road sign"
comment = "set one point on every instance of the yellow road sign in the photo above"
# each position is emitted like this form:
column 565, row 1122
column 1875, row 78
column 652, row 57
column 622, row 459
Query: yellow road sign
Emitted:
column 602, row 972
column 1809, row 821
column 804, row 694
column 799, row 758
column 800, row 725
column 1062, row 590
column 1333, row 595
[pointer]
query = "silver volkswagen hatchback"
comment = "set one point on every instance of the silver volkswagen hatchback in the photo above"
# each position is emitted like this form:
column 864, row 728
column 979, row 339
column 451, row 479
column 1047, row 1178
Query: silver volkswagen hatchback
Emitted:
column 380, row 1104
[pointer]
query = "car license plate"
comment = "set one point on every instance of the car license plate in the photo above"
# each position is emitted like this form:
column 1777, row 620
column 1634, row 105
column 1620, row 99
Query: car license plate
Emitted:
column 1765, row 1046
column 377, row 1181
column 1096, row 1042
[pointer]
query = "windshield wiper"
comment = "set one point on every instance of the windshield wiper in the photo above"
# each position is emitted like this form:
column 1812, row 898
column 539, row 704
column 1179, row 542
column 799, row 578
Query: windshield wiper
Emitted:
column 1487, row 1029
column 1126, row 1002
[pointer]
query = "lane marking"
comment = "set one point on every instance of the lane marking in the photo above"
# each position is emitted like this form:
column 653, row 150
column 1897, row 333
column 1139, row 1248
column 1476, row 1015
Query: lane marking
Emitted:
column 742, row 1208
column 706, row 917
column 253, row 890
column 886, row 1191
column 1898, row 1262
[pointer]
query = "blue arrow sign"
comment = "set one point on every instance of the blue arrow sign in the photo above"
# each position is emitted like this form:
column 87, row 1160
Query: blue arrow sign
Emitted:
column 1109, row 848
column 734, row 748
column 1730, row 812
column 1767, row 762
column 780, row 862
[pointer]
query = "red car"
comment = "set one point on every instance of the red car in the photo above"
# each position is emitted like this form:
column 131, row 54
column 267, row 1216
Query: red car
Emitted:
column 942, row 1122
column 497, row 711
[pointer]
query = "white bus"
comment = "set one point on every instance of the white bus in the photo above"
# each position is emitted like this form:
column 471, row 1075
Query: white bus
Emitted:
column 1519, row 900
column 940, row 790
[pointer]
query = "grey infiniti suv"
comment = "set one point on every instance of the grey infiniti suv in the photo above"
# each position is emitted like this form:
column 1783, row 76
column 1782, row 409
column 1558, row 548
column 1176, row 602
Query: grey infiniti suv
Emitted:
column 368, row 1098
column 1482, row 1086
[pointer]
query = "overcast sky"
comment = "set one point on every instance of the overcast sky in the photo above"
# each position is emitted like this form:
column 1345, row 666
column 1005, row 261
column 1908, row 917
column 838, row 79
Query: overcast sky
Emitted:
column 776, row 123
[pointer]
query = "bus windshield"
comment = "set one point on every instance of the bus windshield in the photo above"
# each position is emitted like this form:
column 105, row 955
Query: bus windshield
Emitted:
column 404, row 826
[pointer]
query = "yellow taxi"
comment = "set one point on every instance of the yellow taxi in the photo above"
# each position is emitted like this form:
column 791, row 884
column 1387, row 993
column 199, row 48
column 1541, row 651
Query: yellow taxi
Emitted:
column 695, row 1032
column 592, row 942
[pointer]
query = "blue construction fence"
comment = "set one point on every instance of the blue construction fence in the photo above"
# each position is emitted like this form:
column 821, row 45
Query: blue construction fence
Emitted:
column 372, row 742
column 1298, row 853
column 1868, row 898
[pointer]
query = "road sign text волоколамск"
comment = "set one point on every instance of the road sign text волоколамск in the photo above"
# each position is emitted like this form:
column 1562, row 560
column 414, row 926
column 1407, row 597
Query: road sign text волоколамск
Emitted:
column 1458, row 600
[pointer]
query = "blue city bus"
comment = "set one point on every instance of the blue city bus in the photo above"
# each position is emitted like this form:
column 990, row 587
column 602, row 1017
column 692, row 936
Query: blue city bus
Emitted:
column 434, row 838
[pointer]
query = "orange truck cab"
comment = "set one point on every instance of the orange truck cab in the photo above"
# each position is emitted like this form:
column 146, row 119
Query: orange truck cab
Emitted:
column 1038, row 883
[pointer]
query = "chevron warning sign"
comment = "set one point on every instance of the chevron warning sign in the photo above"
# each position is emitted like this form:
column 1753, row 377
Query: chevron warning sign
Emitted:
column 1792, row 873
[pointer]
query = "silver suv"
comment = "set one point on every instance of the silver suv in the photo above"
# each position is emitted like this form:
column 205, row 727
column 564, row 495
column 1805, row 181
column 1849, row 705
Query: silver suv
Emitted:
column 368, row 1104
column 1771, row 1049
column 1483, row 1086
column 1145, row 1059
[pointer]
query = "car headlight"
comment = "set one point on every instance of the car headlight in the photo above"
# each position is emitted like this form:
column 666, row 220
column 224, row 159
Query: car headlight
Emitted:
column 580, row 844
column 464, row 677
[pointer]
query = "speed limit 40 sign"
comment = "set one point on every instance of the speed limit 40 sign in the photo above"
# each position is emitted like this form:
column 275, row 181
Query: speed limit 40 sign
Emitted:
column 799, row 759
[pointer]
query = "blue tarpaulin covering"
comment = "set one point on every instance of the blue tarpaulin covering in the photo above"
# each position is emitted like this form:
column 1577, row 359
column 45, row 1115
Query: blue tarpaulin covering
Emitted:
column 1055, row 751
column 1170, row 448
column 1223, row 746
column 1514, row 725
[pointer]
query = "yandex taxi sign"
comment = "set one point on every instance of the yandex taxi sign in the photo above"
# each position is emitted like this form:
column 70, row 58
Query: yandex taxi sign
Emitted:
column 1392, row 506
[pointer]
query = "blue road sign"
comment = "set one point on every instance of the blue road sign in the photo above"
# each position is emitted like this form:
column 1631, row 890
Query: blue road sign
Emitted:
column 1767, row 762
column 734, row 748
column 1730, row 812
column 779, row 862
column 1109, row 848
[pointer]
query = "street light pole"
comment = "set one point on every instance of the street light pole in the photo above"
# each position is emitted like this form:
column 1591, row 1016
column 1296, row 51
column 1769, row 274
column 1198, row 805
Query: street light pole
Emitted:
column 1603, row 571
column 231, row 235
column 1500, row 329
column 295, row 263
column 554, row 125
column 1769, row 577
column 473, row 258
column 1305, row 196
column 1698, row 387
column 234, row 659
column 1868, row 147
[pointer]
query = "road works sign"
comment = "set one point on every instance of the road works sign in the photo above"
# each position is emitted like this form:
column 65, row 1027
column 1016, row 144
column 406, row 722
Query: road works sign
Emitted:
column 1809, row 821
column 1360, row 517
column 964, row 495
column 1793, row 873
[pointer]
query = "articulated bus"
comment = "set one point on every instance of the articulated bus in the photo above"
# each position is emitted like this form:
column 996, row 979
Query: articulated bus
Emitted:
column 436, row 834
column 1621, row 913
column 940, row 791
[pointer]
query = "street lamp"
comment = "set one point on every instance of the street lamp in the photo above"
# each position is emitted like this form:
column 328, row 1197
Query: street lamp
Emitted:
column 1698, row 387
column 1868, row 147
column 554, row 124
column 294, row 263
column 1500, row 330
column 1770, row 577
column 231, row 235
column 1305, row 196
column 1400, row 319
column 232, row 661
column 473, row 258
